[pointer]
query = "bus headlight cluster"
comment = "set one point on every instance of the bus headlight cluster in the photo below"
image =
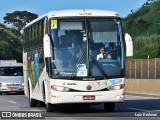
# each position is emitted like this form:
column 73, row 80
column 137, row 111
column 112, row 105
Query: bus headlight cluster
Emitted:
column 2, row 85
column 59, row 88
column 116, row 87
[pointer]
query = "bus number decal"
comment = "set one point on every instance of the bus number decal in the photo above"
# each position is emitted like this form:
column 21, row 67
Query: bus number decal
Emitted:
column 53, row 24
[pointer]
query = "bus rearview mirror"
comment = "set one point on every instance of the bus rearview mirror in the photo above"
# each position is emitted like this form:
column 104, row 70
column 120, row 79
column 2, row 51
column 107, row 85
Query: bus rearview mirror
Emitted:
column 129, row 45
column 47, row 46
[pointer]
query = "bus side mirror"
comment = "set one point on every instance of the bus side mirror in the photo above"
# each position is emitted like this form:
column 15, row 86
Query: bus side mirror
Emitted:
column 47, row 53
column 129, row 45
column 47, row 46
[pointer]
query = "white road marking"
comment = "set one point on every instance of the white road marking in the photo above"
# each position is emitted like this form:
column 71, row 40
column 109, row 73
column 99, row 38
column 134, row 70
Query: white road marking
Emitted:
column 137, row 109
column 37, row 110
column 140, row 97
column 11, row 101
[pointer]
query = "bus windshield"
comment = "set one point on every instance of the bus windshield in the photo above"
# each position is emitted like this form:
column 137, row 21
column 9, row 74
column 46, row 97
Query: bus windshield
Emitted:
column 11, row 71
column 78, row 44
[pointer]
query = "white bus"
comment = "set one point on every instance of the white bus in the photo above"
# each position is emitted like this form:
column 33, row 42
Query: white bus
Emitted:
column 59, row 58
column 11, row 77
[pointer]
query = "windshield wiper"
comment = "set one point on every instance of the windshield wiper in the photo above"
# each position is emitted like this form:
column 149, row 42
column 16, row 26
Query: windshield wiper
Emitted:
column 100, row 68
column 78, row 63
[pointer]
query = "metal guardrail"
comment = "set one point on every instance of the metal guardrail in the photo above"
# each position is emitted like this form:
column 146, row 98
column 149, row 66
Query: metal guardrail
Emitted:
column 143, row 68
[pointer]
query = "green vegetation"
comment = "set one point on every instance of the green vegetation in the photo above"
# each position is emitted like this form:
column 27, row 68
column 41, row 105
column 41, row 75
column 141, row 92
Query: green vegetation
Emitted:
column 19, row 19
column 144, row 27
column 10, row 43
column 11, row 39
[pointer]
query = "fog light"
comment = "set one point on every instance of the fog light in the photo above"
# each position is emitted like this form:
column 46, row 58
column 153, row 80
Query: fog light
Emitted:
column 56, row 97
column 120, row 96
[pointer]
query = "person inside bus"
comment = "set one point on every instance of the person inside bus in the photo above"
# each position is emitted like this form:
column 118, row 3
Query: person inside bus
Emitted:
column 103, row 54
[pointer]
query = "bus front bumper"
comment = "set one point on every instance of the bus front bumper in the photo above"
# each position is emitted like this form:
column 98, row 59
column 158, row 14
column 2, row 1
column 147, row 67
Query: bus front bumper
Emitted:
column 87, row 97
column 11, row 90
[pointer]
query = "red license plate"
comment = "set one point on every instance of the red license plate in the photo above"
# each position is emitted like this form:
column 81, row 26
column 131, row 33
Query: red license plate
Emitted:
column 89, row 97
column 13, row 89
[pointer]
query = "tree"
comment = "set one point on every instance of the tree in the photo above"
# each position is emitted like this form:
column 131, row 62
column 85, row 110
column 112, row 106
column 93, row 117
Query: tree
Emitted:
column 19, row 18
column 11, row 44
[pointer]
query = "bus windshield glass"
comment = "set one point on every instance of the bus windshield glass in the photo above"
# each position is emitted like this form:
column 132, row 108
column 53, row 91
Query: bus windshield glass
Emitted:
column 11, row 71
column 87, row 47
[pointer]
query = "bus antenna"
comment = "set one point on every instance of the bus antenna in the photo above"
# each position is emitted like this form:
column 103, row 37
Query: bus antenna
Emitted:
column 83, row 4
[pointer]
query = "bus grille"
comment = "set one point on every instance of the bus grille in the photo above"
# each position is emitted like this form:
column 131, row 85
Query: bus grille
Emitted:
column 11, row 85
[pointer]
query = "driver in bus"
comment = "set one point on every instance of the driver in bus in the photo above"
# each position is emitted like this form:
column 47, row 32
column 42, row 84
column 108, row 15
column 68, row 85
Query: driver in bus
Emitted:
column 103, row 54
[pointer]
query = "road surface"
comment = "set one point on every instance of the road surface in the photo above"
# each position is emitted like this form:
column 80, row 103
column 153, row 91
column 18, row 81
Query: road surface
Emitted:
column 133, row 106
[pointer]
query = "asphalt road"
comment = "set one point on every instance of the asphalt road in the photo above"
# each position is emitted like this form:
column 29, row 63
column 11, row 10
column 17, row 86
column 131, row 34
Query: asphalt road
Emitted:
column 133, row 106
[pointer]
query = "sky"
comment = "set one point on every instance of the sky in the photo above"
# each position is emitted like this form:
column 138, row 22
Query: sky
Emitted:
column 40, row 7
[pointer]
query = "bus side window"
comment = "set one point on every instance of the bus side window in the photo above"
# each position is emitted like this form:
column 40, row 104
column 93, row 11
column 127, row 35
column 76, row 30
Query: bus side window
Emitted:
column 37, row 38
column 30, row 38
column 34, row 36
column 41, row 32
column 32, row 43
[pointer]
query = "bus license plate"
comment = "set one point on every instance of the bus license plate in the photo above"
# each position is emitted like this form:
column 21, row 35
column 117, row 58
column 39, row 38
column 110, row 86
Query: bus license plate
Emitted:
column 13, row 89
column 89, row 97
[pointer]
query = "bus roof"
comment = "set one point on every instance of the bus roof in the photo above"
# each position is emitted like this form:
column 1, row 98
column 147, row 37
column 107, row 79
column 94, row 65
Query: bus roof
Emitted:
column 10, row 63
column 76, row 13
column 79, row 13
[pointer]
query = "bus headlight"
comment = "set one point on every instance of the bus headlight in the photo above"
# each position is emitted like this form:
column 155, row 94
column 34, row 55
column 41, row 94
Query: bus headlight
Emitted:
column 2, row 85
column 59, row 88
column 118, row 87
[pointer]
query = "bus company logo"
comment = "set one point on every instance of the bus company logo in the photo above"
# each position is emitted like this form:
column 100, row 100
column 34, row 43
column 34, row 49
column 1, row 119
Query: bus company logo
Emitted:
column 6, row 115
column 88, row 87
column 85, row 13
column 72, row 84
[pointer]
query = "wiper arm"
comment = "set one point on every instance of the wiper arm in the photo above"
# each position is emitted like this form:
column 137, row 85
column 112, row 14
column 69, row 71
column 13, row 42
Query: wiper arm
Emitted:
column 100, row 68
column 79, row 61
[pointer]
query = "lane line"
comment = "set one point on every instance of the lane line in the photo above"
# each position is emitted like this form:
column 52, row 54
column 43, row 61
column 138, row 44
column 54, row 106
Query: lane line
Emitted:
column 137, row 109
column 136, row 96
column 37, row 110
column 11, row 101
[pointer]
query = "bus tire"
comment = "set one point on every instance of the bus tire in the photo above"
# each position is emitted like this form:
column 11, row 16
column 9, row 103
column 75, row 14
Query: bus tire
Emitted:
column 109, row 107
column 50, row 107
column 41, row 104
column 32, row 102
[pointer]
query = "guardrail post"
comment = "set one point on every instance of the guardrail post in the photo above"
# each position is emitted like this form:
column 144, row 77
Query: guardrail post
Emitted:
column 148, row 68
column 155, row 68
column 141, row 68
column 135, row 69
column 130, row 69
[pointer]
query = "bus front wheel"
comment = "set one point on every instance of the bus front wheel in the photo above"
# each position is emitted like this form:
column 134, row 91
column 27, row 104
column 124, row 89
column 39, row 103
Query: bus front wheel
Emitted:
column 109, row 107
column 50, row 107
column 32, row 102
